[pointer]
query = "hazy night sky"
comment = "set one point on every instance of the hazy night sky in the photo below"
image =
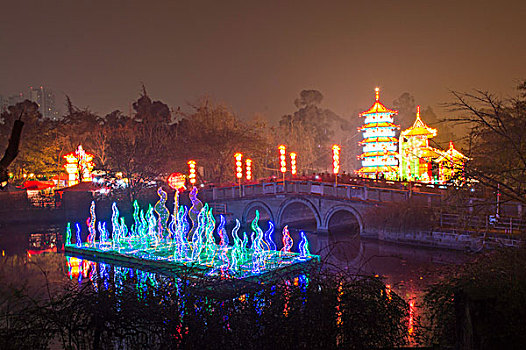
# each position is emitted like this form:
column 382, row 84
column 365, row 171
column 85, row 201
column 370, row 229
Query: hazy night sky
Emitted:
column 258, row 56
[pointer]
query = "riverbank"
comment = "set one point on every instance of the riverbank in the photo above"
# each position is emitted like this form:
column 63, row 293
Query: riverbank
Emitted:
column 463, row 241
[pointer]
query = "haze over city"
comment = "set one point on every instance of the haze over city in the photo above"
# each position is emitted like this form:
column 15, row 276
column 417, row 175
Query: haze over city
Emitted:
column 257, row 56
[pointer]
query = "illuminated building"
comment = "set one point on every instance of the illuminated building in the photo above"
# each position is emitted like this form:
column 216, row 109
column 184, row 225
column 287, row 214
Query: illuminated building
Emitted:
column 415, row 153
column 423, row 163
column 450, row 164
column 79, row 165
column 380, row 156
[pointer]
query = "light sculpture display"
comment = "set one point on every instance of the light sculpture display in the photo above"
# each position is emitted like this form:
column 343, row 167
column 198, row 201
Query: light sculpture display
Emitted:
column 380, row 156
column 79, row 165
column 176, row 247
column 192, row 172
column 248, row 168
column 293, row 169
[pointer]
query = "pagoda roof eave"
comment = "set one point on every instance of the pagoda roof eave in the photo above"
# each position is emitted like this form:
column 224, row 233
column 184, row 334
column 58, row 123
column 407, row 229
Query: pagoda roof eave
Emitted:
column 378, row 107
column 419, row 128
column 377, row 154
column 420, row 131
column 379, row 125
column 379, row 139
column 378, row 169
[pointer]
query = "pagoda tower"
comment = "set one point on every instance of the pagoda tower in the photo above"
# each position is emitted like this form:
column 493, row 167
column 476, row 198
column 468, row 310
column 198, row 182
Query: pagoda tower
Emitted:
column 416, row 155
column 379, row 157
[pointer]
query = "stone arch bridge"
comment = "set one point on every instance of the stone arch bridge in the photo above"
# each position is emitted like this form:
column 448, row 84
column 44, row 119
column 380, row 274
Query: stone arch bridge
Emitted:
column 324, row 204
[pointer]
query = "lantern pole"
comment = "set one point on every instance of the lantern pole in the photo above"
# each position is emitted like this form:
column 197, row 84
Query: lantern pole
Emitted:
column 283, row 161
column 336, row 163
column 239, row 170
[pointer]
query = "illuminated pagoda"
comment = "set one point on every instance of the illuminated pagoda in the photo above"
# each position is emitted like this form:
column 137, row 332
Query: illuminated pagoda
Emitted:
column 450, row 164
column 379, row 157
column 416, row 155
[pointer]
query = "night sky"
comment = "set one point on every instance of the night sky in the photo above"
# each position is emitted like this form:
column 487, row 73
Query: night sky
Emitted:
column 258, row 55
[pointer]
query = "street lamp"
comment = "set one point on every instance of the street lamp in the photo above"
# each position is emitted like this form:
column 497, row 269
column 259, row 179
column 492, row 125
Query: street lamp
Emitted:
column 336, row 162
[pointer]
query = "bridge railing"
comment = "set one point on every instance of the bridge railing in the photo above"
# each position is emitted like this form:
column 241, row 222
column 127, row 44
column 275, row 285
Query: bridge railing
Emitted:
column 340, row 191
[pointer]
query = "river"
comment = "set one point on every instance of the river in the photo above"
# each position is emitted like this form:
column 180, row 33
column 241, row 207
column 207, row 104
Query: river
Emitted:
column 408, row 270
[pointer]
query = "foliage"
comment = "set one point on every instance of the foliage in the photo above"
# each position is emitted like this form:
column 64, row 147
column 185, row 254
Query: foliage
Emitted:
column 330, row 311
column 481, row 304
column 35, row 153
column 497, row 143
column 140, row 147
column 212, row 134
column 311, row 131
column 409, row 215
column 406, row 107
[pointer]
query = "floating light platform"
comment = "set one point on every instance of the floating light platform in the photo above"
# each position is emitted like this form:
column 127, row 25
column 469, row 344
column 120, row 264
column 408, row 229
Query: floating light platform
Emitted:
column 176, row 247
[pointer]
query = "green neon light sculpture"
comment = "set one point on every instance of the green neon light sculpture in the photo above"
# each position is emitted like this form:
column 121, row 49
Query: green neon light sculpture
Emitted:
column 175, row 244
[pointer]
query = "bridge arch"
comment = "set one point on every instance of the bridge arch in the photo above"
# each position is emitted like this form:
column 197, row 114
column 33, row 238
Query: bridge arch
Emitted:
column 298, row 201
column 257, row 204
column 343, row 208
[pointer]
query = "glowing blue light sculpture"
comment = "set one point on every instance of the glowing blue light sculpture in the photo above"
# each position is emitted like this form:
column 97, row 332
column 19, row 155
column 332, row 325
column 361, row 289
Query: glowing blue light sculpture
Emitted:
column 176, row 245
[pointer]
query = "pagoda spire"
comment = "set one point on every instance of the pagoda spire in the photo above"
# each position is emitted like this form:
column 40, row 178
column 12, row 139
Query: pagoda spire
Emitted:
column 377, row 93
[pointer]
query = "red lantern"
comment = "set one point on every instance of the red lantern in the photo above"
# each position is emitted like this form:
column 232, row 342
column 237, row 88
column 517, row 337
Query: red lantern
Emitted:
column 248, row 164
column 176, row 181
column 192, row 172
column 336, row 159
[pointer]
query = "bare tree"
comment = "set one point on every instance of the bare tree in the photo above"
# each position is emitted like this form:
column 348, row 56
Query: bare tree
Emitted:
column 497, row 139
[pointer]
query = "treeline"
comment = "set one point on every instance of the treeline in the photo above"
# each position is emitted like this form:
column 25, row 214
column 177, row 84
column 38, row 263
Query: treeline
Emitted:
column 156, row 140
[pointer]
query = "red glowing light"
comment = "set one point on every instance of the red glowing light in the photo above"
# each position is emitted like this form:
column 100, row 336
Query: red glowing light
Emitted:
column 248, row 164
column 293, row 168
column 283, row 158
column 239, row 165
column 336, row 159
column 192, row 172
column 176, row 181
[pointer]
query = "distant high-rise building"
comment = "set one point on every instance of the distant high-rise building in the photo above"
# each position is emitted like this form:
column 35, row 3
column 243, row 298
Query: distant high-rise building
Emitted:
column 45, row 98
column 6, row 101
